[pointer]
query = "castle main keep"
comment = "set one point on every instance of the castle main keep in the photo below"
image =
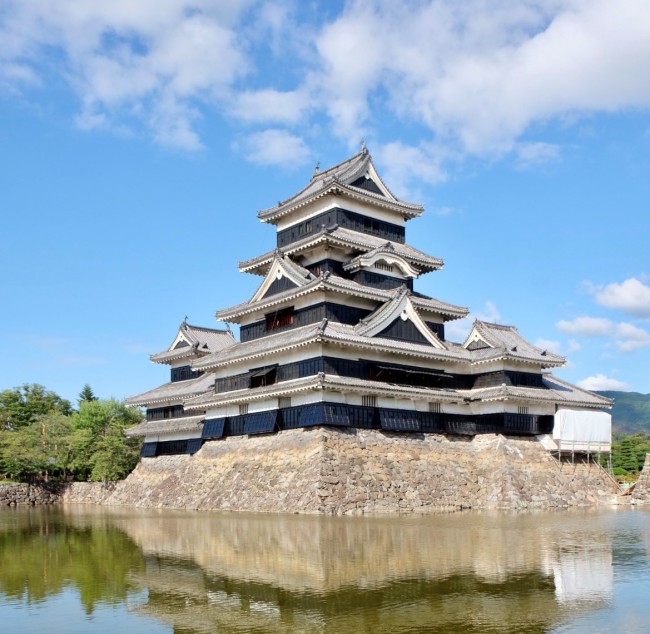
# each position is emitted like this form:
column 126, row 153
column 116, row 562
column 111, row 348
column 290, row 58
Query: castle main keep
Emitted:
column 337, row 335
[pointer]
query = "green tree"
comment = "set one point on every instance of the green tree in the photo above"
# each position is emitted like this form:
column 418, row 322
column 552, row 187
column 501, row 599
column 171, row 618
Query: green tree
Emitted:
column 21, row 406
column 102, row 451
column 628, row 452
column 41, row 449
column 86, row 394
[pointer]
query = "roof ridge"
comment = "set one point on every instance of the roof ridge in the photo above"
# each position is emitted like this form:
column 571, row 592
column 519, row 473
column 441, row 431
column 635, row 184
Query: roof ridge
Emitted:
column 495, row 325
column 206, row 328
column 349, row 160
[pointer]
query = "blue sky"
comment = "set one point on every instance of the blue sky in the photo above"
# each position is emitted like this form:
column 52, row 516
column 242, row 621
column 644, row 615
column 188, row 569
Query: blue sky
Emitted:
column 138, row 141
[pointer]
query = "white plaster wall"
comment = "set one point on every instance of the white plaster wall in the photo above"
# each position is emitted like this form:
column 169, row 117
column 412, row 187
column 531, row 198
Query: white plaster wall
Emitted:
column 176, row 436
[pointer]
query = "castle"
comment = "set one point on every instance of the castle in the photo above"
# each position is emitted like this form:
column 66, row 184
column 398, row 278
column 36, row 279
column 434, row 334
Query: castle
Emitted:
column 337, row 335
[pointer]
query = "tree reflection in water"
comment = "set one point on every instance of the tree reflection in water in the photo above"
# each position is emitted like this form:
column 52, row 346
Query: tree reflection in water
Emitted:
column 42, row 552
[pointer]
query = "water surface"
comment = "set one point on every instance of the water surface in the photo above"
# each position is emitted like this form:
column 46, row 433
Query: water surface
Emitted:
column 86, row 569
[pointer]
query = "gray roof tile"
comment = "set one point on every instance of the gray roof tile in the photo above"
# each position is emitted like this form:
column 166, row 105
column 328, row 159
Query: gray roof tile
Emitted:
column 168, row 426
column 321, row 381
column 505, row 341
column 557, row 391
column 560, row 392
column 176, row 391
column 201, row 341
column 335, row 283
column 326, row 331
column 343, row 237
column 339, row 178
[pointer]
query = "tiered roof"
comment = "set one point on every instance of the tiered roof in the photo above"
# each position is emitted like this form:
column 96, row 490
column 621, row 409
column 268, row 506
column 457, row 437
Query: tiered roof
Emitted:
column 336, row 284
column 343, row 238
column 383, row 337
column 193, row 342
column 353, row 337
column 556, row 391
column 190, row 424
column 355, row 178
column 173, row 391
column 496, row 341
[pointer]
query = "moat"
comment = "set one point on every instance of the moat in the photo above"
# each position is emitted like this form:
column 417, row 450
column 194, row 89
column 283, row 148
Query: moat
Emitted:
column 83, row 568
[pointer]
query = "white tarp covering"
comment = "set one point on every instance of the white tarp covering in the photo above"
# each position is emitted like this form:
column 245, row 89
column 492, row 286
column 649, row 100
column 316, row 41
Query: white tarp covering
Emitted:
column 584, row 575
column 583, row 430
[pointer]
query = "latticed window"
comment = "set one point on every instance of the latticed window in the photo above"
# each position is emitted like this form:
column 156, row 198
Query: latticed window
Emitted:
column 162, row 413
column 384, row 266
column 369, row 401
column 184, row 373
column 435, row 408
column 243, row 409
column 522, row 410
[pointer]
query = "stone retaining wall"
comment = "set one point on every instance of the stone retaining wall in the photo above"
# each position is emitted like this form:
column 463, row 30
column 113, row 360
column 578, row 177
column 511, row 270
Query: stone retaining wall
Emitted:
column 14, row 494
column 346, row 471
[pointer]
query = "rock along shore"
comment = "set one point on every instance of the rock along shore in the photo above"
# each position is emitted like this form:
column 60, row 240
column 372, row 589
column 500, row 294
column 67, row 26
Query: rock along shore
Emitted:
column 350, row 472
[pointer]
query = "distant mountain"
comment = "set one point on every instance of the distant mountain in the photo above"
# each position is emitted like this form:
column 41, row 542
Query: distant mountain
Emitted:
column 630, row 412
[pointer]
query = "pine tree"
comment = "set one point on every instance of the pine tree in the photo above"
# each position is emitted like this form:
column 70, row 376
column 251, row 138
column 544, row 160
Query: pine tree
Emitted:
column 86, row 394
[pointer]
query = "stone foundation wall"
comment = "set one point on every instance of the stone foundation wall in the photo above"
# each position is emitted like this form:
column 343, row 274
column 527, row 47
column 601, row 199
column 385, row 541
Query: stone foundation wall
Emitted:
column 14, row 494
column 88, row 492
column 343, row 471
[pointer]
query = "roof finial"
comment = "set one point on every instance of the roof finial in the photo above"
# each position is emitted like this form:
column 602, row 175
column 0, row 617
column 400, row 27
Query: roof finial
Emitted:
column 364, row 149
column 316, row 168
column 185, row 320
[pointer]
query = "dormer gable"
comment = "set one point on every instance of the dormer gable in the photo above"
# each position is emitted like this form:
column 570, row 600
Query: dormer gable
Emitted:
column 184, row 338
column 475, row 340
column 507, row 343
column 282, row 275
column 366, row 177
column 389, row 321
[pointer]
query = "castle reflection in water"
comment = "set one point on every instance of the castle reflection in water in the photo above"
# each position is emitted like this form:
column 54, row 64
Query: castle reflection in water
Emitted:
column 268, row 573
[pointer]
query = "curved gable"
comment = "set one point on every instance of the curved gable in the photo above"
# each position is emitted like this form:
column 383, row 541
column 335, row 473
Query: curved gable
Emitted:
column 387, row 255
column 398, row 319
column 281, row 276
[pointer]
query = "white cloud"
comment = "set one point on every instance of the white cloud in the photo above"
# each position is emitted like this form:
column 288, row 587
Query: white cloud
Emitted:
column 574, row 346
column 602, row 382
column 402, row 163
column 632, row 296
column 586, row 326
column 274, row 147
column 534, row 153
column 627, row 337
column 630, row 337
column 144, row 62
column 459, row 329
column 490, row 313
column 548, row 344
column 479, row 74
column 472, row 77
column 270, row 106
